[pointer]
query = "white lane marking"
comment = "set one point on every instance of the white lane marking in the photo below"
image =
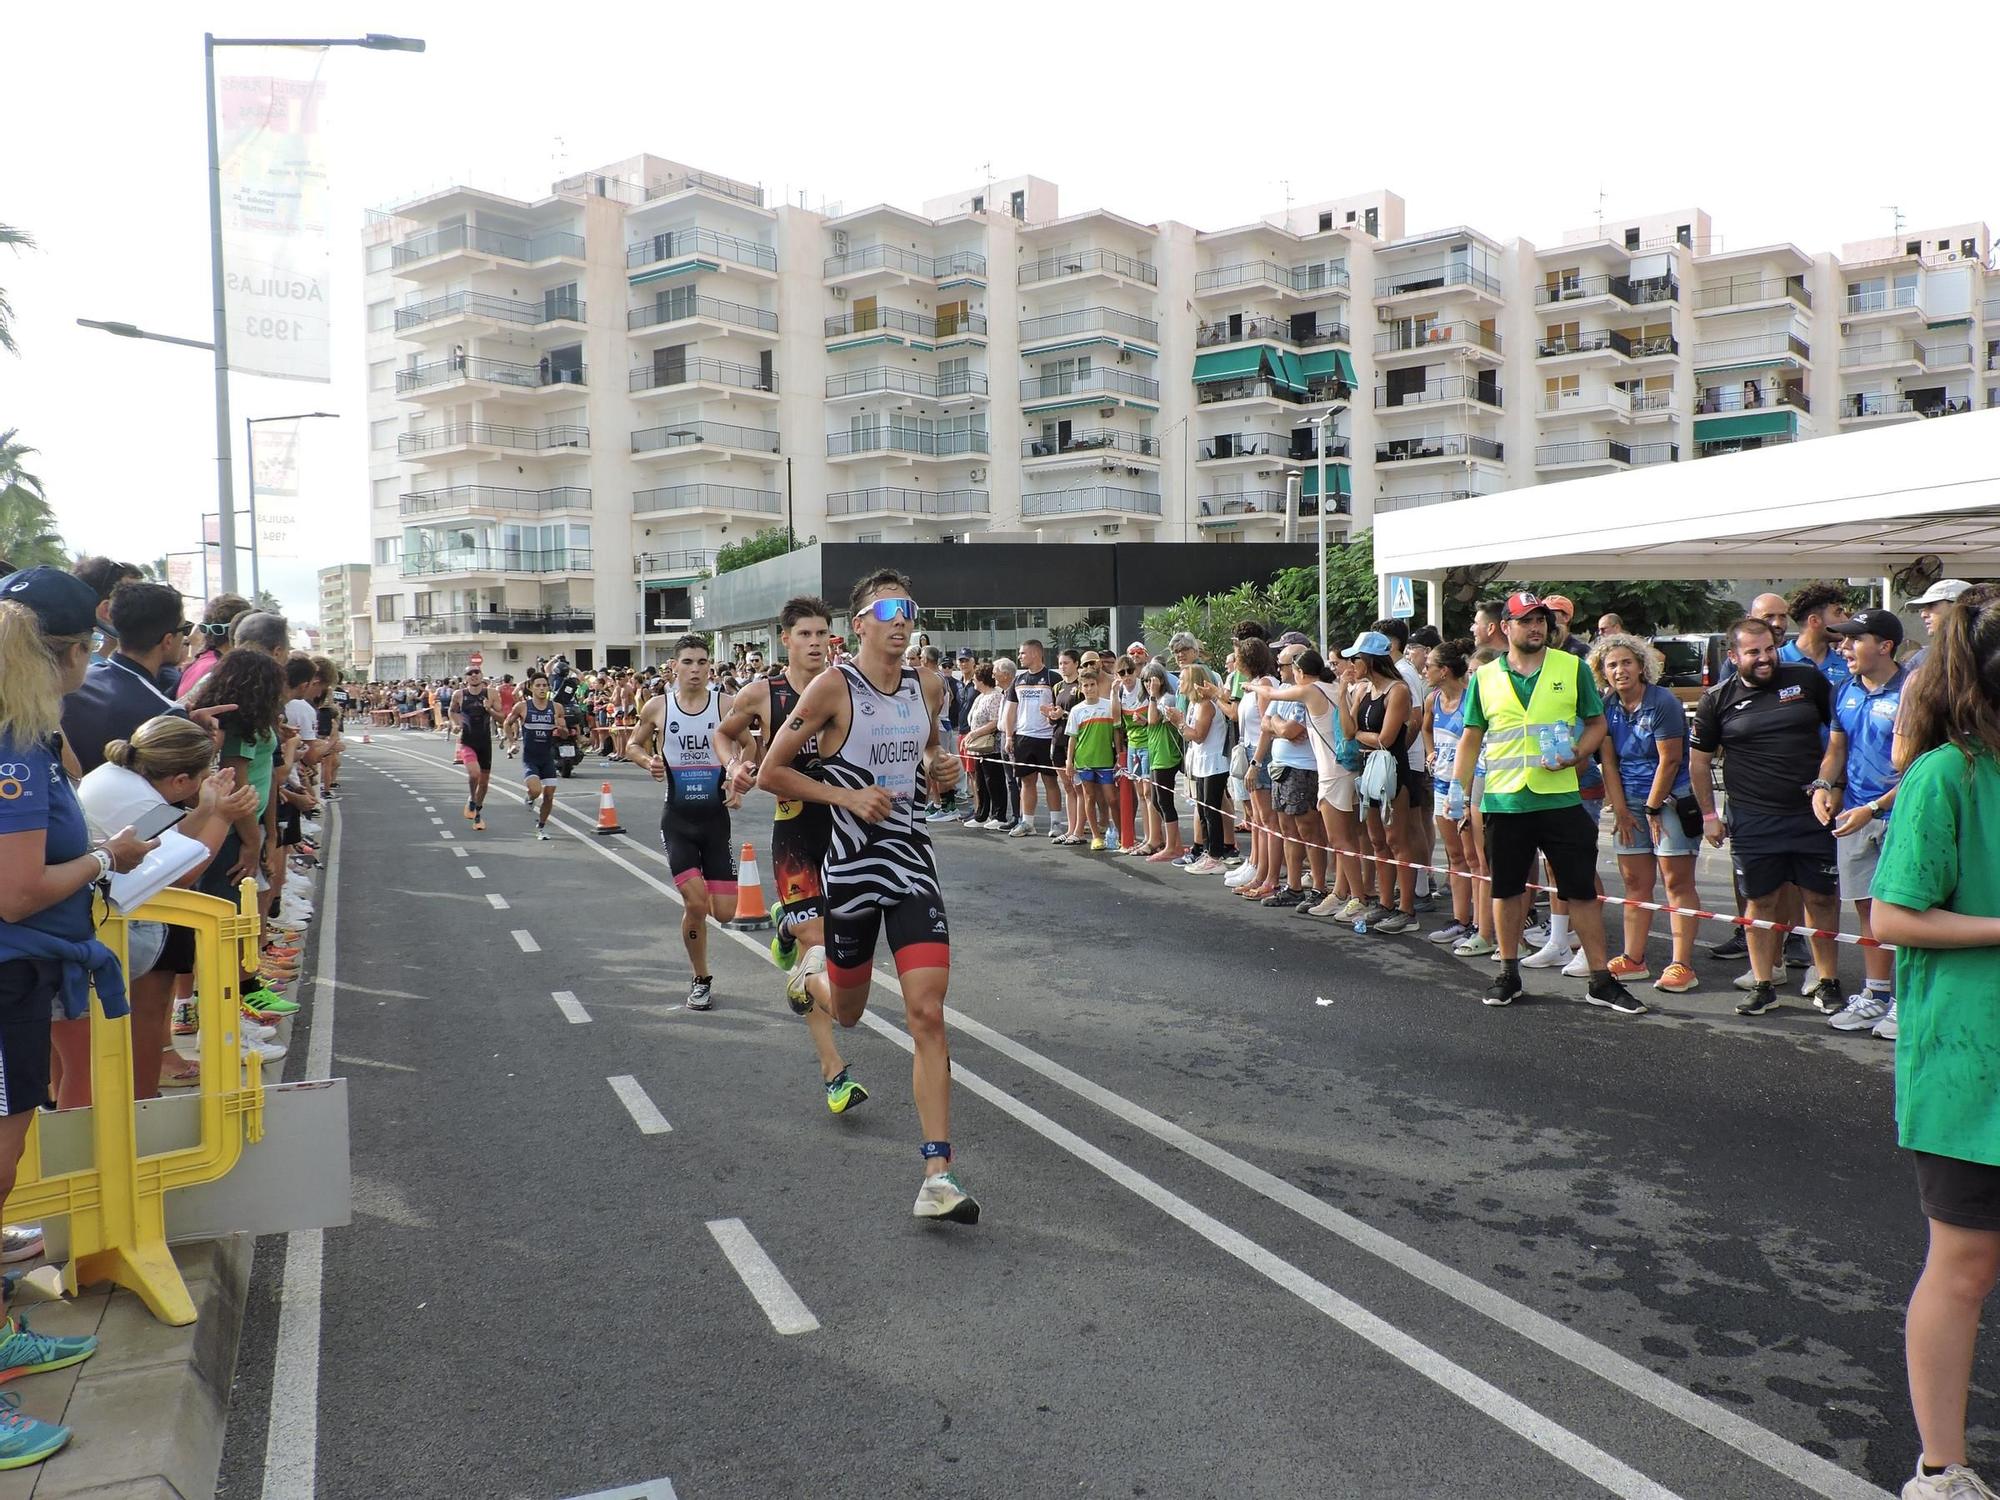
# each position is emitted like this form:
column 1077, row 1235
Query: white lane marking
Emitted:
column 569, row 1006
column 645, row 1114
column 369, row 1062
column 461, row 851
column 438, row 822
column 429, row 808
column 497, row 901
column 473, row 872
column 445, row 833
column 652, row 1489
column 788, row 1314
column 525, row 941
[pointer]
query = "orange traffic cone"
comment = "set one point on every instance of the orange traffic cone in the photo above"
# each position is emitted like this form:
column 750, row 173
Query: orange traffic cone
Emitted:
column 751, row 913
column 607, row 813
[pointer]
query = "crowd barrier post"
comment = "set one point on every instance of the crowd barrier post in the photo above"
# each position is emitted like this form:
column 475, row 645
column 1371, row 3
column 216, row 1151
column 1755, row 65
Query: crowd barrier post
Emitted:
column 1126, row 802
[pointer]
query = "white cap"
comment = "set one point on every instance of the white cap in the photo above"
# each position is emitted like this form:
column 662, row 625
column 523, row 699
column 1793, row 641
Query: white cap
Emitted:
column 1944, row 591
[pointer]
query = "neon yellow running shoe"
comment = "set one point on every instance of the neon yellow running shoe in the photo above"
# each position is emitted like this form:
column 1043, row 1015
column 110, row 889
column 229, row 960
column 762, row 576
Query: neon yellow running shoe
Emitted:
column 843, row 1093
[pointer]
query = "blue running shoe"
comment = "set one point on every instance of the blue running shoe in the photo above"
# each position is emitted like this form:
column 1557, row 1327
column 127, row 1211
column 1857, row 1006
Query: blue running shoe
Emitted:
column 25, row 1352
column 24, row 1439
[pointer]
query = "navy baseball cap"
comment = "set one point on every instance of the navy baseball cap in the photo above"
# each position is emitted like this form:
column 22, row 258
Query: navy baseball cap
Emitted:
column 64, row 603
column 1875, row 622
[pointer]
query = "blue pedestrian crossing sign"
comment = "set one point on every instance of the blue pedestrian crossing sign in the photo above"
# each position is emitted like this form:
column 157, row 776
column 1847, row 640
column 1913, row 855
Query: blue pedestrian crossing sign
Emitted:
column 1402, row 598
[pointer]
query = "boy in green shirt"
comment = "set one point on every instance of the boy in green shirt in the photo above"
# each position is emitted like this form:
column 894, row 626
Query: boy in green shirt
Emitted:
column 1093, row 754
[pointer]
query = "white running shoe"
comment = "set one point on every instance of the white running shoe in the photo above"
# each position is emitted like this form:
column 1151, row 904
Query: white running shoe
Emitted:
column 269, row 1052
column 1885, row 1029
column 1956, row 1483
column 1861, row 1013
column 1535, row 936
column 1242, row 875
column 1550, row 955
column 1578, row 967
column 943, row 1197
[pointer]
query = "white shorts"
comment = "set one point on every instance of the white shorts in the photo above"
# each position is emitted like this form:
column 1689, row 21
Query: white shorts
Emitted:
column 1340, row 789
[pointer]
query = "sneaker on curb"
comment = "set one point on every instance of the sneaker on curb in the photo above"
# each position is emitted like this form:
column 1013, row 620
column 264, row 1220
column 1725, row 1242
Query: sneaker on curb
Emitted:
column 811, row 962
column 1811, row 984
column 1472, row 945
column 1232, row 861
column 1284, row 896
column 1676, row 979
column 701, row 994
column 1395, row 922
column 25, row 1352
column 1747, row 980
column 1206, row 865
column 255, row 1031
column 1736, row 945
column 267, row 1001
column 1827, row 999
column 1762, row 998
column 1578, row 966
column 1861, row 1013
column 1097, row 846
column 1885, row 1029
column 1504, row 990
column 19, row 1242
column 1370, row 916
column 1426, row 903
column 943, row 1197
column 993, row 825
column 1549, row 955
column 843, row 1093
column 264, row 1052
column 1957, row 1482
column 1021, row 830
column 1798, row 952
column 1622, row 969
column 1535, row 935
column 1352, row 911
column 1610, row 994
column 1239, row 877
column 1448, row 934
column 24, row 1439
column 184, row 1022
column 945, row 815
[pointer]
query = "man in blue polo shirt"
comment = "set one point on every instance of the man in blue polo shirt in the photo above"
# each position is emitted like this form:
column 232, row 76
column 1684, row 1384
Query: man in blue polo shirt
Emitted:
column 122, row 691
column 1819, row 610
column 1859, row 743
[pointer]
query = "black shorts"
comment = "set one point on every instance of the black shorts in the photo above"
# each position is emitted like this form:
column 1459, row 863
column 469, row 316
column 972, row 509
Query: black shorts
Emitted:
column 482, row 750
column 1564, row 836
column 1771, row 850
column 919, row 938
column 1954, row 1191
column 798, row 847
column 698, row 844
column 28, row 991
column 1034, row 755
column 540, row 767
column 177, row 953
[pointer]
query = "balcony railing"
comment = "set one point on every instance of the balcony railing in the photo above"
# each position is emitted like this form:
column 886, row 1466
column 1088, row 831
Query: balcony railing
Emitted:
column 1598, row 451
column 707, row 497
column 1743, row 445
column 482, row 241
column 493, row 497
column 1755, row 346
column 673, row 244
column 1434, row 392
column 1427, row 335
column 1562, row 401
column 1742, row 291
column 1755, row 398
column 1425, row 497
column 1876, row 404
column 1436, row 278
column 701, row 372
column 1094, row 497
column 1944, row 356
column 1084, row 383
column 1268, row 330
column 1590, row 341
column 724, row 187
column 906, row 262
column 892, row 500
column 493, row 371
column 1636, row 293
column 1091, row 440
column 694, row 434
column 907, row 382
column 1076, row 262
column 502, row 622
column 1452, row 445
column 1645, row 402
column 1655, row 453
column 1266, row 503
column 1243, row 273
column 680, row 309
column 1891, row 352
column 1654, row 345
column 913, row 440
column 1089, row 320
column 923, row 325
column 485, row 305
column 492, row 435
column 676, row 562
column 1882, row 299
column 1246, row 445
column 498, row 560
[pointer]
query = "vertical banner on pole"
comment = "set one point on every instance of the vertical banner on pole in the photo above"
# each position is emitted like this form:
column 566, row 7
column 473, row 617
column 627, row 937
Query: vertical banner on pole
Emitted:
column 276, row 454
column 275, row 251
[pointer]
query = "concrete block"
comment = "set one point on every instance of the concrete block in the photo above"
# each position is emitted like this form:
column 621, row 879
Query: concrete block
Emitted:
column 158, row 1426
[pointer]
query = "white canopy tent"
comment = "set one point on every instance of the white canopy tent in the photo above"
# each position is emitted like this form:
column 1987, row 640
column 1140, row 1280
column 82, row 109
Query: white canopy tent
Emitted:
column 1861, row 505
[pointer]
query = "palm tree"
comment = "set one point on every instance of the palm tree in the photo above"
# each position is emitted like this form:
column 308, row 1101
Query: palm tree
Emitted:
column 27, row 525
column 156, row 570
column 18, row 239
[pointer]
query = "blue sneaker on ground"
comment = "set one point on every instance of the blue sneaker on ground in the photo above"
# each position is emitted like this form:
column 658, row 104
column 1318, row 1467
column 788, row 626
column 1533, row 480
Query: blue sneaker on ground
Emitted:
column 25, row 1352
column 24, row 1439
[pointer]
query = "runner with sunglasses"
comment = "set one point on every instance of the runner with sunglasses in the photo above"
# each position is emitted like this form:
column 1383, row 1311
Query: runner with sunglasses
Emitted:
column 875, row 724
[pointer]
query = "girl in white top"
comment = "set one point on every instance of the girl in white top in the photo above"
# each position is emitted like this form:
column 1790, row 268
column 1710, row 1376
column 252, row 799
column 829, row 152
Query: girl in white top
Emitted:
column 1329, row 703
column 982, row 738
column 1204, row 729
column 1266, row 844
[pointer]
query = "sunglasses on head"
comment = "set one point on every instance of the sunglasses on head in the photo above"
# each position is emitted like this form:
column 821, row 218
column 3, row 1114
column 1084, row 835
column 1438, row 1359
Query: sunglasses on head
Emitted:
column 888, row 610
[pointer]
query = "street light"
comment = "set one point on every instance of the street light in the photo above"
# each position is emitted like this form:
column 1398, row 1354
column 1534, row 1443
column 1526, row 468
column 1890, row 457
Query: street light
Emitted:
column 250, row 466
column 225, row 510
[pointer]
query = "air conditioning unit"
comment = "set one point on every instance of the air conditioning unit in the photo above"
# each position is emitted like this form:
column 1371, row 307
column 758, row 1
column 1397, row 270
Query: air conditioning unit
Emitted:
column 840, row 242
column 1105, row 413
column 1132, row 471
column 513, row 653
column 1953, row 255
column 1109, row 530
column 840, row 294
column 978, row 476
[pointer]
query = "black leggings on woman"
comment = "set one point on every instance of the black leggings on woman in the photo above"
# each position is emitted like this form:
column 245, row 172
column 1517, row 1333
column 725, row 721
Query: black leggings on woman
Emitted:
column 1163, row 791
column 992, row 787
column 1209, row 792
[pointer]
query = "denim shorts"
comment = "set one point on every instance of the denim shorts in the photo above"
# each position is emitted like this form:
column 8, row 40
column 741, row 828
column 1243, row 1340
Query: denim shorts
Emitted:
column 1673, row 838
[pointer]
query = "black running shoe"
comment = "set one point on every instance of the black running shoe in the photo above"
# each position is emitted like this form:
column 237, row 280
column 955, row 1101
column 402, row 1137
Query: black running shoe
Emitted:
column 1609, row 993
column 1504, row 990
column 1764, row 997
column 1798, row 952
column 1285, row 897
column 1827, row 999
column 1736, row 945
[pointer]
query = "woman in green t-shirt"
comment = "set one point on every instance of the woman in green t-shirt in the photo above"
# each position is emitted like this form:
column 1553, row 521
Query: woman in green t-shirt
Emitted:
column 1163, row 745
column 1937, row 899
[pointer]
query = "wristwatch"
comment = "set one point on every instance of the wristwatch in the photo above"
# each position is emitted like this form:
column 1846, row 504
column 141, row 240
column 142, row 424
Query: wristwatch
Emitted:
column 1821, row 786
column 1654, row 812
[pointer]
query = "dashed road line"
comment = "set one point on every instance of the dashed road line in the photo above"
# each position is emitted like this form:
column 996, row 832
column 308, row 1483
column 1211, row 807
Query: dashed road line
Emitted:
column 497, row 901
column 473, row 872
column 439, row 822
column 571, row 1008
column 461, row 851
column 445, row 833
column 525, row 941
column 645, row 1114
column 782, row 1305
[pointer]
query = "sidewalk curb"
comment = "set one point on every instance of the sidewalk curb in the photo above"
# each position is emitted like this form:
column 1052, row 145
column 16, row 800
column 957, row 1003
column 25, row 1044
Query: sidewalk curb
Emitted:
column 151, row 1407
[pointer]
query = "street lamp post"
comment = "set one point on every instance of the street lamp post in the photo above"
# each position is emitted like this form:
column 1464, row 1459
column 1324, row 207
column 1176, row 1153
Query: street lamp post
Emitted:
column 225, row 518
column 1325, row 425
column 250, row 467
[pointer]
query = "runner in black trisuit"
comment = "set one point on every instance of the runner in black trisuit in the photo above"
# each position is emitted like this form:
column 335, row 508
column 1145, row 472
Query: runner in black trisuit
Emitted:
column 474, row 721
column 537, row 718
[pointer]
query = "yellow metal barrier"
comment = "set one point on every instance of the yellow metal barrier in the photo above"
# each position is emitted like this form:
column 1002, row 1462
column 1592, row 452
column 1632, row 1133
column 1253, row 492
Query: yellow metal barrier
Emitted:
column 117, row 1219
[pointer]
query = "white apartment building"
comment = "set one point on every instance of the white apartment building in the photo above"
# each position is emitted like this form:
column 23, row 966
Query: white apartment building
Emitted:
column 576, row 402
column 344, row 637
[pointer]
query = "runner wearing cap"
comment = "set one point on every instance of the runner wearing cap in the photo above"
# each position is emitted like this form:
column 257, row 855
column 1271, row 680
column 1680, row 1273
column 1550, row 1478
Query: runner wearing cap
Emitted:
column 1522, row 708
column 1931, row 606
column 1861, row 746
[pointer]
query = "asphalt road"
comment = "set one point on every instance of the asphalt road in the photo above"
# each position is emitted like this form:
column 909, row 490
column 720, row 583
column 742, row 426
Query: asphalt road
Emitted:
column 1271, row 1209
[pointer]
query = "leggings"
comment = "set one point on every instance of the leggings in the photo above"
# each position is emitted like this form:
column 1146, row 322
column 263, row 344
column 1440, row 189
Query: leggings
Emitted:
column 1163, row 791
column 1208, row 792
column 992, row 788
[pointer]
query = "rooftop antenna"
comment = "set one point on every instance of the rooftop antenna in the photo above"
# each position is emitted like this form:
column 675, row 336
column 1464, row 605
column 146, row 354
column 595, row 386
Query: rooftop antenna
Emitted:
column 1286, row 184
column 1600, row 210
column 1897, row 213
column 559, row 157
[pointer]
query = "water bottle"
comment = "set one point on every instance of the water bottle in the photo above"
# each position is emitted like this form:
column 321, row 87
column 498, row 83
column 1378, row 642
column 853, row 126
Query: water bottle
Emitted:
column 1565, row 742
column 1454, row 803
column 1548, row 743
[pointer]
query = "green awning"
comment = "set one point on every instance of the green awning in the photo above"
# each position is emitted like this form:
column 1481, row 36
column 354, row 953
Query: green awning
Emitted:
column 1330, row 362
column 1339, row 479
column 679, row 268
column 1231, row 364
column 1750, row 424
column 1085, row 343
column 1288, row 372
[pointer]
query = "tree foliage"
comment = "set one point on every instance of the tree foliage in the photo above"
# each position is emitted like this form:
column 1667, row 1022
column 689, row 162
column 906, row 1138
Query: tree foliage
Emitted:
column 772, row 541
column 28, row 535
column 17, row 240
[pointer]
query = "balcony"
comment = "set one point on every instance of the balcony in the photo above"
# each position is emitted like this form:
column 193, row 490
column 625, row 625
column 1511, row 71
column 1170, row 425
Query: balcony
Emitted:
column 1882, row 304
column 906, row 441
column 449, row 375
column 892, row 262
column 1641, row 293
column 1446, row 391
column 1887, row 355
column 1261, row 330
column 1421, row 498
column 1437, row 338
column 1093, row 442
column 698, row 249
column 1867, row 407
column 1718, row 447
column 1591, row 342
column 1086, row 326
column 884, row 324
column 490, row 560
column 1647, row 404
column 894, row 378
column 1656, row 346
column 1741, row 293
column 1756, row 349
column 1325, row 276
column 1224, row 512
column 1936, row 357
column 502, row 622
column 482, row 308
column 891, row 500
column 705, row 182
column 1600, row 401
column 1726, row 398
column 490, row 499
column 1457, row 447
column 1655, row 453
column 1259, row 448
column 490, row 245
column 704, row 440
column 1107, row 500
column 469, row 437
column 714, row 499
column 1077, row 264
column 1598, row 453
column 674, row 564
column 698, row 315
column 1437, row 279
column 1098, row 385
column 677, row 376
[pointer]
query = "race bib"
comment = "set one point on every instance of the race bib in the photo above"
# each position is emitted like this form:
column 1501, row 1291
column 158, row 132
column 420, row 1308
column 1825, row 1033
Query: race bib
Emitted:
column 697, row 786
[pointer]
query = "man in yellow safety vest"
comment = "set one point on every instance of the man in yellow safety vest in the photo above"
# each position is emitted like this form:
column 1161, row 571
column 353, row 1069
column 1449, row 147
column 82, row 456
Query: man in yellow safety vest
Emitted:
column 1537, row 713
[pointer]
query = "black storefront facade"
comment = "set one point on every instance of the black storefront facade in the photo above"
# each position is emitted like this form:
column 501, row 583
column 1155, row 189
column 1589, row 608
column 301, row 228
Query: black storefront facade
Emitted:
column 990, row 595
